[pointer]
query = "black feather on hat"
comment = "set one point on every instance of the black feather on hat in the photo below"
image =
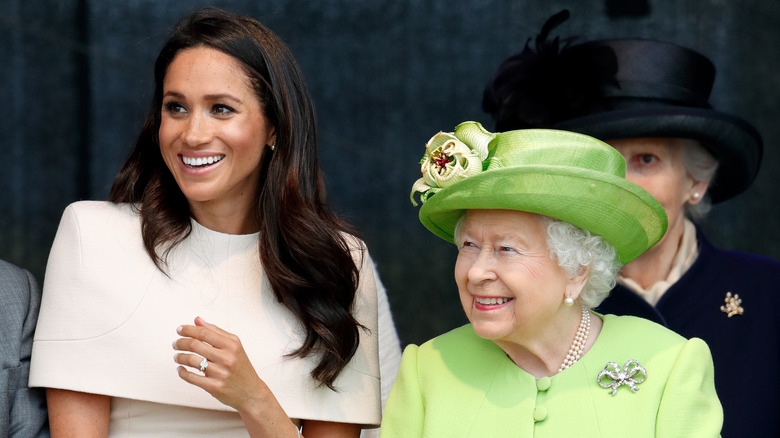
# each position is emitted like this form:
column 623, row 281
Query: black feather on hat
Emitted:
column 623, row 88
column 545, row 84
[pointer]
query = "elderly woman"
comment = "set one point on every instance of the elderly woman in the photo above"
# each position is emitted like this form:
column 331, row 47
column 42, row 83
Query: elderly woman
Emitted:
column 649, row 100
column 543, row 220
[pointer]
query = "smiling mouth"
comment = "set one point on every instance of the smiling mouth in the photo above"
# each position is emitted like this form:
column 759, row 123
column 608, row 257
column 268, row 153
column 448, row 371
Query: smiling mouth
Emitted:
column 200, row 162
column 492, row 301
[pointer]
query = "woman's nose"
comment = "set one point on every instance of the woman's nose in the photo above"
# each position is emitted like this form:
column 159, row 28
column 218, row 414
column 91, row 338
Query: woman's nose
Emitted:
column 197, row 131
column 482, row 268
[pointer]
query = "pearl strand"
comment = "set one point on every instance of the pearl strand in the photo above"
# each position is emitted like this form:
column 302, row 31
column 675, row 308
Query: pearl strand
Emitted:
column 575, row 352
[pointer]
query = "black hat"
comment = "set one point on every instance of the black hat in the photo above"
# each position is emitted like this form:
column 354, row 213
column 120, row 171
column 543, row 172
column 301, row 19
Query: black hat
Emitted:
column 631, row 88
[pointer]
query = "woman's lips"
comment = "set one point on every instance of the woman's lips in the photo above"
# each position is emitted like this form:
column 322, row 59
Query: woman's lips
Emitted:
column 199, row 162
column 490, row 303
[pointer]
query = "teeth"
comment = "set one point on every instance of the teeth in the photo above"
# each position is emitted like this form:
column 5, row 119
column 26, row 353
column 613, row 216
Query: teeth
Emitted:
column 491, row 301
column 201, row 161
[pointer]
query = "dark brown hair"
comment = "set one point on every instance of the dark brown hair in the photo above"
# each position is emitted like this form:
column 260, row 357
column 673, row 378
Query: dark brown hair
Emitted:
column 303, row 251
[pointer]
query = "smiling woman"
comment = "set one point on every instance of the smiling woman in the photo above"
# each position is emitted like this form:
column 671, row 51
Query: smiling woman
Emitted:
column 216, row 236
column 650, row 100
column 542, row 227
column 213, row 135
column 509, row 285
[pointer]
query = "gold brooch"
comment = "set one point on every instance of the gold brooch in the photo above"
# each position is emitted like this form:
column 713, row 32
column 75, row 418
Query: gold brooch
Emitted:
column 733, row 305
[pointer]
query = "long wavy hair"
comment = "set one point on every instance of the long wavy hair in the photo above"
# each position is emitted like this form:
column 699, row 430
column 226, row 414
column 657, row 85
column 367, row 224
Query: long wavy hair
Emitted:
column 304, row 251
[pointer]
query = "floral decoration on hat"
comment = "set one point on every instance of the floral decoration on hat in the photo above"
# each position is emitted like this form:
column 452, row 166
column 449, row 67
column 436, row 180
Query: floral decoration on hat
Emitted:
column 564, row 175
column 451, row 157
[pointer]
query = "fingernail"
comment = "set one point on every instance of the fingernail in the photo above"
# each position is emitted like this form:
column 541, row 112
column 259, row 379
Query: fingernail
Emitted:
column 178, row 329
column 174, row 344
column 175, row 356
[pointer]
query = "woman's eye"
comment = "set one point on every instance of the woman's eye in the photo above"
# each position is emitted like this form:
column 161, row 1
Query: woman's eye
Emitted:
column 647, row 158
column 468, row 245
column 174, row 108
column 222, row 110
column 507, row 249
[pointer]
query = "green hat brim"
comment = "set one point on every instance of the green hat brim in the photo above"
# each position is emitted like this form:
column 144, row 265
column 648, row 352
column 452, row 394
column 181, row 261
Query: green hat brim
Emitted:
column 622, row 213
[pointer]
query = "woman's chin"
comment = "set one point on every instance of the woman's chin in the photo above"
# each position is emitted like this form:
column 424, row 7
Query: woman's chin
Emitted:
column 490, row 330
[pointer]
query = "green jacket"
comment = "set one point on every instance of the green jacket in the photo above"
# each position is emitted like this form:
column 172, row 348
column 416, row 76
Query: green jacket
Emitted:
column 460, row 385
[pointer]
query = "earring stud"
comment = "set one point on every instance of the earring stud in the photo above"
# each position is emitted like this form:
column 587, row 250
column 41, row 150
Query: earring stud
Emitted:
column 273, row 146
column 696, row 195
column 569, row 301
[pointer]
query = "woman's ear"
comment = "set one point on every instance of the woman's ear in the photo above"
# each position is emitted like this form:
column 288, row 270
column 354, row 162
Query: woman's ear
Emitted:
column 697, row 191
column 577, row 282
column 271, row 138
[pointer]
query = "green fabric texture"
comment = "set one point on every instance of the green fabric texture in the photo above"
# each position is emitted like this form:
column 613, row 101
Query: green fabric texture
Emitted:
column 459, row 385
column 567, row 176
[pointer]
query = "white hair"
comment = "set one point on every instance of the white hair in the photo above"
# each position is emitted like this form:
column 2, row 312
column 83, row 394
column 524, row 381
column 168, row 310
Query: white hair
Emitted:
column 701, row 166
column 574, row 249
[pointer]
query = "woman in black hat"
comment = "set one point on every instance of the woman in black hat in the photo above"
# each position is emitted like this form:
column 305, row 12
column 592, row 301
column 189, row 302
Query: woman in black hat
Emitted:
column 649, row 100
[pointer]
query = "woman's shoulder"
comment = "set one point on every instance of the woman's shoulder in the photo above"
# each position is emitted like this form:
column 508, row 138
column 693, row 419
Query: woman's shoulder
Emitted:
column 743, row 264
column 456, row 359
column 644, row 338
column 459, row 343
column 97, row 272
column 464, row 333
column 625, row 339
column 628, row 321
column 93, row 226
column 101, row 211
column 630, row 327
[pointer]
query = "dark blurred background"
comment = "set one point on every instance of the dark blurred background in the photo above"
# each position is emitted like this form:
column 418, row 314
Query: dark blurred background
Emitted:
column 385, row 75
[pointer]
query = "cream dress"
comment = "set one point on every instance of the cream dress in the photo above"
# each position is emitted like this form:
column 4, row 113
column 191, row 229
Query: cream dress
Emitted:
column 109, row 316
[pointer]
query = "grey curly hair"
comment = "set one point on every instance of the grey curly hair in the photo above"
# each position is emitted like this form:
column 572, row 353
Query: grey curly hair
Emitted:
column 574, row 248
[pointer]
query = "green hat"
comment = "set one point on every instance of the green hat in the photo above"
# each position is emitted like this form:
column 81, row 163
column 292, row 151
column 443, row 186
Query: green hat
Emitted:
column 567, row 176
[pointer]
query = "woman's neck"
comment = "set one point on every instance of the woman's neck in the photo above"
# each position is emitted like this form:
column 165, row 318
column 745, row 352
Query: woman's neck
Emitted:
column 227, row 220
column 656, row 263
column 543, row 355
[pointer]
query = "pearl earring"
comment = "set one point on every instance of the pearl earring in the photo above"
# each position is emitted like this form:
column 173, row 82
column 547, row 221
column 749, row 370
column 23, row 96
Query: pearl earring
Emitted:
column 569, row 301
column 696, row 195
column 273, row 146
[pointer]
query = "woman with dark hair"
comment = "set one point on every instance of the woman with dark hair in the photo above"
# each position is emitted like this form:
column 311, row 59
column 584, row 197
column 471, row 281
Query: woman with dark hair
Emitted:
column 218, row 212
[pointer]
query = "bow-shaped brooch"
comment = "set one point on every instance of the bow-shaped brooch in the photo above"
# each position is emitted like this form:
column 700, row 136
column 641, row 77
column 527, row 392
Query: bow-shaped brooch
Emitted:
column 631, row 374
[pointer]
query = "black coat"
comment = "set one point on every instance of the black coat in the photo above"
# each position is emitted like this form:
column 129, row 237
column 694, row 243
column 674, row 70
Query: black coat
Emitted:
column 745, row 347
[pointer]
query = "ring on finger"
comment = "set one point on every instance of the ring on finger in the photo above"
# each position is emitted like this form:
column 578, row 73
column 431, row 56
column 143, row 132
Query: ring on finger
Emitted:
column 203, row 365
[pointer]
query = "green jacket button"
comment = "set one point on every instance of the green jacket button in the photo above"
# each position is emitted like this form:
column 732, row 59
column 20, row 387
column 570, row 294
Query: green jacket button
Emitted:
column 540, row 413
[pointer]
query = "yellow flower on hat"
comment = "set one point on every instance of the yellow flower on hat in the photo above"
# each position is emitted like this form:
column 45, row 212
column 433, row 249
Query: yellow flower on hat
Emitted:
column 452, row 157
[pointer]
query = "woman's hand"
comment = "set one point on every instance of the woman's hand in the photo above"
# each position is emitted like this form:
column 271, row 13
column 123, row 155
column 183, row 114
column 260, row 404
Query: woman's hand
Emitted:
column 230, row 378
column 229, row 375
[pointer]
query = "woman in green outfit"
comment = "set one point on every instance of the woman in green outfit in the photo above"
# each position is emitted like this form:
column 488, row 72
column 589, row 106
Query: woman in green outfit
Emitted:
column 543, row 221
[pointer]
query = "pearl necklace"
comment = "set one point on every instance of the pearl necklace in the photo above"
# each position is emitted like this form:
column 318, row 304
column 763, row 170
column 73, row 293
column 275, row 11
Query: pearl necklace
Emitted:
column 575, row 352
